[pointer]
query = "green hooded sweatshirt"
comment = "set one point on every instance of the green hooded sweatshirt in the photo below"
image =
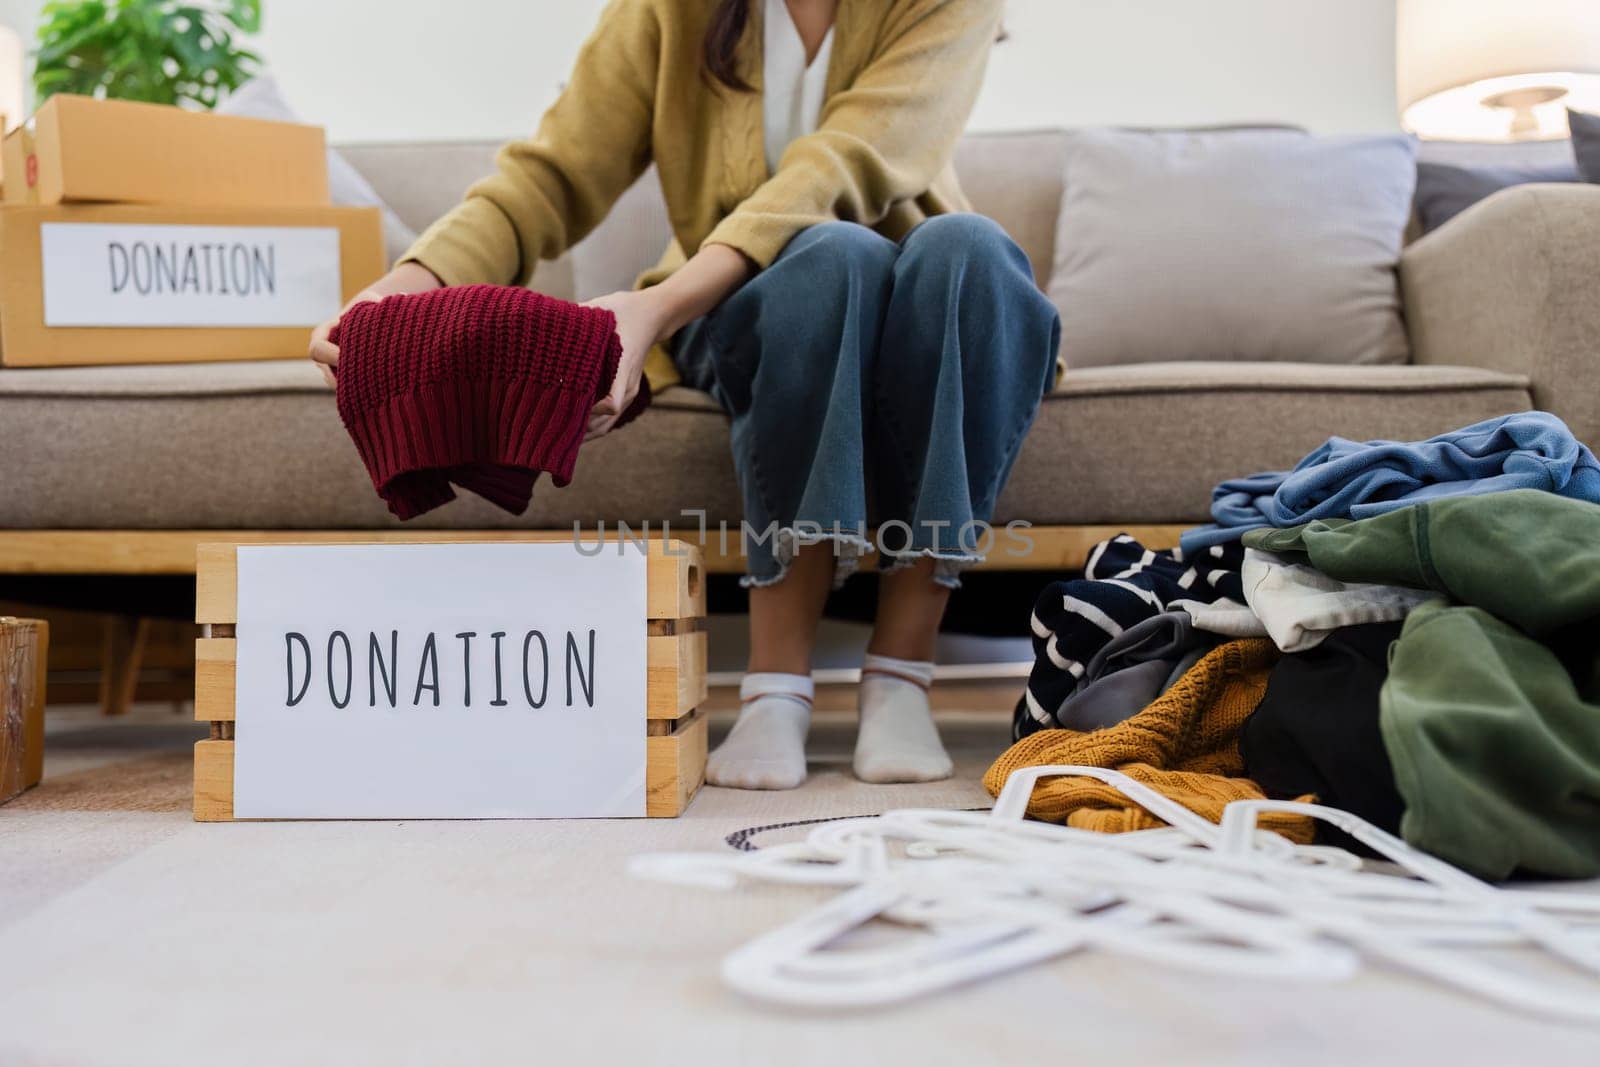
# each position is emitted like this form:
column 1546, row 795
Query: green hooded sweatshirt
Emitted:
column 1491, row 711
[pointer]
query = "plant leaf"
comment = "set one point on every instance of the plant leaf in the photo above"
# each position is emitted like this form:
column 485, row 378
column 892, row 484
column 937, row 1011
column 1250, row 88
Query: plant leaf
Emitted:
column 245, row 14
column 161, row 51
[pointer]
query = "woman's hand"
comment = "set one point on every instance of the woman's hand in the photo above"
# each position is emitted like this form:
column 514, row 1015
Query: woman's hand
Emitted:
column 645, row 316
column 642, row 320
column 406, row 278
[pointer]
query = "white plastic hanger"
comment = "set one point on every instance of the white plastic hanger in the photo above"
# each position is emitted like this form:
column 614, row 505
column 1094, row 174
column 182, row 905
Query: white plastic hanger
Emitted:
column 971, row 894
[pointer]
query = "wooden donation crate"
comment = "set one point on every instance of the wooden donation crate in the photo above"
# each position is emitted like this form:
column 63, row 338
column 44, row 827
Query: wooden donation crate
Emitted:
column 24, row 650
column 675, row 668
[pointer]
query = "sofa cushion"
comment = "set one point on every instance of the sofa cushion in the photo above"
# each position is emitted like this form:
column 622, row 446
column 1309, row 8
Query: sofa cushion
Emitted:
column 1492, row 155
column 1445, row 190
column 260, row 446
column 1586, row 144
column 1242, row 245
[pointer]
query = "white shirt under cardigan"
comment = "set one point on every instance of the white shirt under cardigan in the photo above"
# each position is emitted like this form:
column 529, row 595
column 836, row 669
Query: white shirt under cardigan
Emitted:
column 792, row 90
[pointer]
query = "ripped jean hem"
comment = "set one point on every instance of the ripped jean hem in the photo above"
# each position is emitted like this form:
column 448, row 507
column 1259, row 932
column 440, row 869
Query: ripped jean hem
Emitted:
column 849, row 549
column 947, row 566
column 787, row 542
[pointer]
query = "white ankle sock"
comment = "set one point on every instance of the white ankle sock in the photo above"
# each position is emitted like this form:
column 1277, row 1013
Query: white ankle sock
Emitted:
column 767, row 747
column 898, row 741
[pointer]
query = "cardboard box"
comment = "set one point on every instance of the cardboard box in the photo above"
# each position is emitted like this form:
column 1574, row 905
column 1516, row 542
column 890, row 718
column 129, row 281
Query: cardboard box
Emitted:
column 99, row 284
column 24, row 654
column 78, row 150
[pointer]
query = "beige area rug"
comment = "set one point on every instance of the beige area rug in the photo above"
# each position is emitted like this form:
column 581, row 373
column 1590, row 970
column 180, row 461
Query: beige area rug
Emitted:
column 131, row 935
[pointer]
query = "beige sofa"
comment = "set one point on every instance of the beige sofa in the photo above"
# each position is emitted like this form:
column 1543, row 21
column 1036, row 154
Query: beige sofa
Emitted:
column 121, row 469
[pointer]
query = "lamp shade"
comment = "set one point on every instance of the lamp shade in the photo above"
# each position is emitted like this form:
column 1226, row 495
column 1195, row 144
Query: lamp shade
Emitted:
column 1496, row 70
column 11, row 75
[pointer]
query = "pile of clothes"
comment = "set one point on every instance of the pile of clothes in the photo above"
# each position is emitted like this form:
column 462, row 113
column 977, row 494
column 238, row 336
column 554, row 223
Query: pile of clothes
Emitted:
column 1410, row 632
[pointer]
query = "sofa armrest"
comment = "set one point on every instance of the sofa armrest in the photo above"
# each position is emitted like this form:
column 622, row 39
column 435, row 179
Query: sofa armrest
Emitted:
column 1513, row 284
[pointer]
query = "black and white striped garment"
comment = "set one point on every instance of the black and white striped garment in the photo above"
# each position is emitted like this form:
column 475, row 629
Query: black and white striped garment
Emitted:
column 1124, row 583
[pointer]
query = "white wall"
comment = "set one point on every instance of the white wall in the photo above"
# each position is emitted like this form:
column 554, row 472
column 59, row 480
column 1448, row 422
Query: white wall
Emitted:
column 1325, row 64
column 375, row 70
column 18, row 14
column 14, row 92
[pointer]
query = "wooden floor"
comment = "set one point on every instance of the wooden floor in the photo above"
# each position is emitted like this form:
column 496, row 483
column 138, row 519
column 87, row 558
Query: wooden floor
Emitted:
column 1053, row 548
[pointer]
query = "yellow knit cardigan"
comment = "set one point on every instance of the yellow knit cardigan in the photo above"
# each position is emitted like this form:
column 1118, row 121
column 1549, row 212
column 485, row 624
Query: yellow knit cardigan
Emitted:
column 901, row 83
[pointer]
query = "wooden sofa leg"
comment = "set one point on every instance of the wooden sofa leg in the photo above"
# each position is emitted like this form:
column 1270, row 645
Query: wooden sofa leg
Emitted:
column 120, row 662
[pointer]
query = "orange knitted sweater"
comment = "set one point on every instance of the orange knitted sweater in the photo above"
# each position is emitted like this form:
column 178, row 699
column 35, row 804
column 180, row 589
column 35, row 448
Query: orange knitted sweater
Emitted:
column 1184, row 745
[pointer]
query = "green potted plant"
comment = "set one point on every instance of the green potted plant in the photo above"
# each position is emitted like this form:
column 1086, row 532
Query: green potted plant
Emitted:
column 157, row 51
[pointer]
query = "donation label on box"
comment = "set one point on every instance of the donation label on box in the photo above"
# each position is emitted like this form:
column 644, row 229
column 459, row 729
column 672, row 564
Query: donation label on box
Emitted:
column 447, row 681
column 115, row 274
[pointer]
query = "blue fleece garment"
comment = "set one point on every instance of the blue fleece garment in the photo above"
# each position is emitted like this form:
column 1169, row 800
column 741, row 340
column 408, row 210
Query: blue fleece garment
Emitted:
column 1346, row 479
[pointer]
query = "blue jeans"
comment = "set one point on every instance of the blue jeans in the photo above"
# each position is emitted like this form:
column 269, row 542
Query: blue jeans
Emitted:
column 877, row 383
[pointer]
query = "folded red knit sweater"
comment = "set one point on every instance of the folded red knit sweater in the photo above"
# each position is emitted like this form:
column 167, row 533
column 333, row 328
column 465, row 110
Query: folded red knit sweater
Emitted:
column 481, row 385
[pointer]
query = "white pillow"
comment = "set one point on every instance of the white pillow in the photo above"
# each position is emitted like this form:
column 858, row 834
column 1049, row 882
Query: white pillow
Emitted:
column 260, row 98
column 1239, row 245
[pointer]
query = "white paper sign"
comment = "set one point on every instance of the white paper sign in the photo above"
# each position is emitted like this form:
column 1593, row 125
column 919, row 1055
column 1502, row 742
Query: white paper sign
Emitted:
column 112, row 274
column 439, row 682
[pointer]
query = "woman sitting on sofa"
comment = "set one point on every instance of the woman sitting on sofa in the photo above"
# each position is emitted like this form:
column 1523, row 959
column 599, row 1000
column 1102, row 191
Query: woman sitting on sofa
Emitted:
column 881, row 353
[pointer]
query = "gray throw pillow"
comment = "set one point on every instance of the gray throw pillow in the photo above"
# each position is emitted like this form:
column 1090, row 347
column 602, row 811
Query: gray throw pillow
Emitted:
column 1238, row 246
column 1586, row 144
column 1445, row 191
